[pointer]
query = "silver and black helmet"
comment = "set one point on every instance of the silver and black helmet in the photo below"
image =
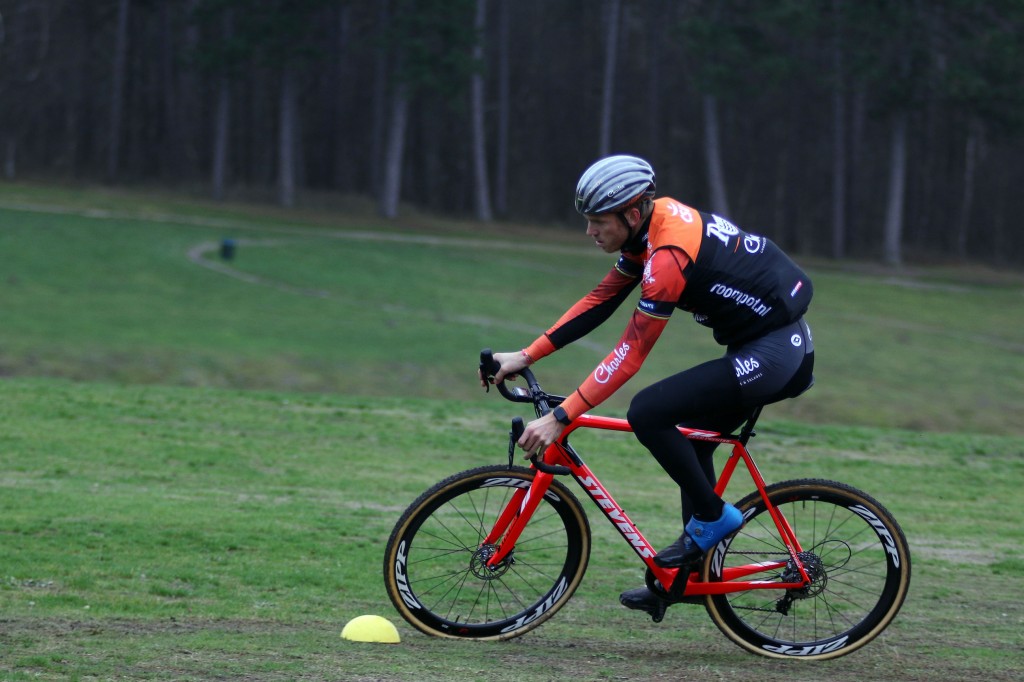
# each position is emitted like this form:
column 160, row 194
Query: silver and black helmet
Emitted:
column 614, row 184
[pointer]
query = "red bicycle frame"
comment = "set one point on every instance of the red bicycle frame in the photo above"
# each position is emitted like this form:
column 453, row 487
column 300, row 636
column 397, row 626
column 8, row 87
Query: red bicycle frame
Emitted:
column 524, row 502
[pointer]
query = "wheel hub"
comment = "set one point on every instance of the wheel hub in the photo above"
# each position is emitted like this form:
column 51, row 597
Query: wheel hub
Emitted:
column 815, row 571
column 478, row 563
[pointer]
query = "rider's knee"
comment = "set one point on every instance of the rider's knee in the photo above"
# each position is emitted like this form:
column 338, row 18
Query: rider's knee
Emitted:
column 633, row 415
column 638, row 416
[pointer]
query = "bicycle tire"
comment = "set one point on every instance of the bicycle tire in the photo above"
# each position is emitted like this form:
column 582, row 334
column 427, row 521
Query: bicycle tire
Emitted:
column 854, row 548
column 433, row 564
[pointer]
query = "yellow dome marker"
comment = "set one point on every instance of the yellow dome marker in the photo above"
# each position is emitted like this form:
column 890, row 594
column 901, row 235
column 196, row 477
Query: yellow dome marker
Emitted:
column 371, row 629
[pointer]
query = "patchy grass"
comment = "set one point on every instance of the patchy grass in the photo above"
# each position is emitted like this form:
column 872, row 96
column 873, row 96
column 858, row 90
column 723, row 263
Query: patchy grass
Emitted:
column 130, row 288
column 190, row 534
column 201, row 460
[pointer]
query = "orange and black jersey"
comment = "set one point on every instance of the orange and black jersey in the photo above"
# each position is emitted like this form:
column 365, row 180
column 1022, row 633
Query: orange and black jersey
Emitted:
column 740, row 285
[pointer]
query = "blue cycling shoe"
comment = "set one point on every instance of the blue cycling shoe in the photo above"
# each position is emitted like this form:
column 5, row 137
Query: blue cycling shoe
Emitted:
column 707, row 534
column 698, row 538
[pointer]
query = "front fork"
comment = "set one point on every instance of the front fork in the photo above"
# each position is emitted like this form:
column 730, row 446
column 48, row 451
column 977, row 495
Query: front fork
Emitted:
column 514, row 517
column 520, row 507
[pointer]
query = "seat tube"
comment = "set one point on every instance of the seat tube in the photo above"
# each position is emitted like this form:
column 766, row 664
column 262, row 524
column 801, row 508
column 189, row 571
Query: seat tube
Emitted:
column 738, row 453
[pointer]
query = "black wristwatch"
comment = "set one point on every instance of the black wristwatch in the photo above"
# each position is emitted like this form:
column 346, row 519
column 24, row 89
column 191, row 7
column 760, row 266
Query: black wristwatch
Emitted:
column 561, row 416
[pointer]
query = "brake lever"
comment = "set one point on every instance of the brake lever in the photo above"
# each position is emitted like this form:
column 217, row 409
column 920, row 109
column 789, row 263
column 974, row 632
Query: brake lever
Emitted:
column 513, row 438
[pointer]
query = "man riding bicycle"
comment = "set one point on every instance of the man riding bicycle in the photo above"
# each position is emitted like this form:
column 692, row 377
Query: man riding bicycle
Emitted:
column 742, row 286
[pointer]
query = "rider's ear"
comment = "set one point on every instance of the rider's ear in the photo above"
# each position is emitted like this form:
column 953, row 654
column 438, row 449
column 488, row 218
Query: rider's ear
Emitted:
column 634, row 216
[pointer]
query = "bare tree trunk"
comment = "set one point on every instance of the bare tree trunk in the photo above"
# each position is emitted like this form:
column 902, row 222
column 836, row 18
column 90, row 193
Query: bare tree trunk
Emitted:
column 612, row 8
column 1002, row 219
column 73, row 105
column 971, row 154
column 286, row 138
column 783, row 232
column 342, row 165
column 713, row 155
column 177, row 151
column 929, row 217
column 10, row 144
column 838, row 138
column 222, row 119
column 893, row 236
column 481, row 194
column 504, row 107
column 839, row 165
column 394, row 152
column 221, row 127
column 172, row 143
column 190, row 82
column 379, row 131
column 656, row 20
column 10, row 157
column 117, row 91
column 856, row 236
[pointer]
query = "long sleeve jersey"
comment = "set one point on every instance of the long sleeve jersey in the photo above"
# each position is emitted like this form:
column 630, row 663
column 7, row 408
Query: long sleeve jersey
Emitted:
column 739, row 284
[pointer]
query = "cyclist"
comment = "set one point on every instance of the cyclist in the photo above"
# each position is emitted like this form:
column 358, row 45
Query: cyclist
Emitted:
column 742, row 286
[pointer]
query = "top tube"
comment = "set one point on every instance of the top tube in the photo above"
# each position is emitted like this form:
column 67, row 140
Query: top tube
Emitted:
column 544, row 402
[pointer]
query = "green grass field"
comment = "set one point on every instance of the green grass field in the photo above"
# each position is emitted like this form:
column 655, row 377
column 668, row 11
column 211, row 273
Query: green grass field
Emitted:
column 201, row 460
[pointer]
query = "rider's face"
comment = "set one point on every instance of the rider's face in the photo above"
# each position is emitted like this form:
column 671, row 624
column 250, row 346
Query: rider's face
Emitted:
column 608, row 231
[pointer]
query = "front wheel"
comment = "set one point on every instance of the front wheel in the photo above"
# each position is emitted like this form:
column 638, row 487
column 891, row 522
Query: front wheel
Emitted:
column 854, row 552
column 435, row 564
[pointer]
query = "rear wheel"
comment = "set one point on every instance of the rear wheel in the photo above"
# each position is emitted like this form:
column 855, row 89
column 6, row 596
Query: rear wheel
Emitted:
column 854, row 552
column 435, row 565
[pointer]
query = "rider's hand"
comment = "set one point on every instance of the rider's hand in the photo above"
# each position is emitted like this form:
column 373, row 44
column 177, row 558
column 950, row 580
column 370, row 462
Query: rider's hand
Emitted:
column 540, row 433
column 510, row 363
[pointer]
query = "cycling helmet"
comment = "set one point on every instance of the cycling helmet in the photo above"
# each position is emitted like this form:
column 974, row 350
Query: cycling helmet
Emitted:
column 614, row 184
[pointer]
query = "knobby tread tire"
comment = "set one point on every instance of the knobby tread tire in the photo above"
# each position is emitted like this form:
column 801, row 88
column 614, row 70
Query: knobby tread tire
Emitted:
column 862, row 583
column 433, row 570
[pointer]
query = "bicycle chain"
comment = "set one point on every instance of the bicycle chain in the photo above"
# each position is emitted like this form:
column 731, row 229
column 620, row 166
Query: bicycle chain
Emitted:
column 759, row 608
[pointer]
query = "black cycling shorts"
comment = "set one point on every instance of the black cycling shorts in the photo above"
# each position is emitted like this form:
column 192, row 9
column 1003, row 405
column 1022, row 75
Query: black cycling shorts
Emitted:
column 775, row 366
column 719, row 394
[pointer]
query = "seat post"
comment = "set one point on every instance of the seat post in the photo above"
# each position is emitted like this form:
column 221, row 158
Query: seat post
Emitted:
column 748, row 428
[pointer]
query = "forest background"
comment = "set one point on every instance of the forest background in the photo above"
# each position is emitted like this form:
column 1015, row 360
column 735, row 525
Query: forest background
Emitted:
column 867, row 129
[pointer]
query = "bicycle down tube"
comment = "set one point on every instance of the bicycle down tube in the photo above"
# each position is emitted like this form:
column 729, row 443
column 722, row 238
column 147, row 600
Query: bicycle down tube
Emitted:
column 517, row 513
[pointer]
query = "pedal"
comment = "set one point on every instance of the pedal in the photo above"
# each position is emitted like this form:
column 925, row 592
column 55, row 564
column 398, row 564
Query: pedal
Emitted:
column 647, row 602
column 676, row 594
column 643, row 599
